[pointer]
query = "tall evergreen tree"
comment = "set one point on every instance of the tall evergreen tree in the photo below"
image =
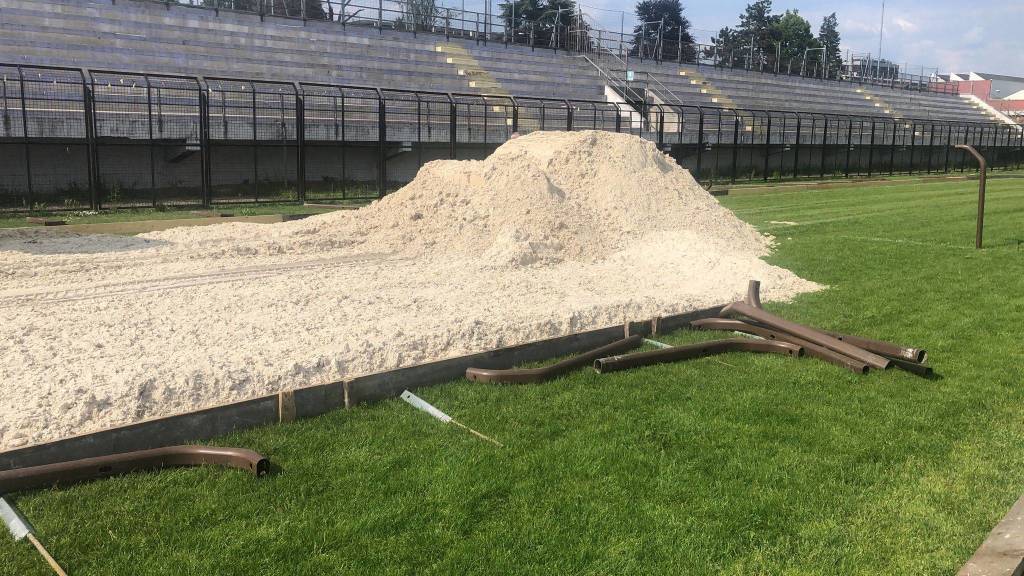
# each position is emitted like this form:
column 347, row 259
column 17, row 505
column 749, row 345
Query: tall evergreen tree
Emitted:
column 757, row 30
column 540, row 17
column 674, row 28
column 828, row 38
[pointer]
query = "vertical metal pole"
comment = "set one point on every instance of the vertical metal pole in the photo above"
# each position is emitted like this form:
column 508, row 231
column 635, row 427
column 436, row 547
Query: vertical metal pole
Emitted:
column 767, row 147
column 515, row 114
column 849, row 145
column 892, row 149
column 949, row 145
column 735, row 144
column 931, row 148
column 824, row 145
column 300, row 140
column 982, row 176
column 796, row 149
column 152, row 143
column 700, row 141
column 913, row 144
column 90, row 135
column 25, row 136
column 204, row 142
column 568, row 116
column 453, row 127
column 871, row 149
column 255, row 148
column 382, row 129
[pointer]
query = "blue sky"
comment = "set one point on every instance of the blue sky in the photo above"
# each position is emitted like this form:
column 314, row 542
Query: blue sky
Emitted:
column 986, row 36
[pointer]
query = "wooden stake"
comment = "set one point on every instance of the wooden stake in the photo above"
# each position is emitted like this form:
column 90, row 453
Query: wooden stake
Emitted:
column 46, row 555
column 477, row 434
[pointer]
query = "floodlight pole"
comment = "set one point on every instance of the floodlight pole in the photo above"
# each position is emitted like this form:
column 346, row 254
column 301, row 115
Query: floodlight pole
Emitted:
column 981, row 190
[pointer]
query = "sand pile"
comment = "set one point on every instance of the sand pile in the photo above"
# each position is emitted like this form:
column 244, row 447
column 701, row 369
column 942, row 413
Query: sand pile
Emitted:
column 553, row 233
column 539, row 199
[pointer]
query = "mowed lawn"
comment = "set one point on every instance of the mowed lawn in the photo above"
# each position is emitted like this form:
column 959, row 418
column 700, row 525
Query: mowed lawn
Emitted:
column 739, row 464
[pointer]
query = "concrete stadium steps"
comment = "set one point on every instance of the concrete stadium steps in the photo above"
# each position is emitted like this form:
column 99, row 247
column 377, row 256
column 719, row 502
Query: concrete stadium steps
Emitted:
column 66, row 34
column 141, row 36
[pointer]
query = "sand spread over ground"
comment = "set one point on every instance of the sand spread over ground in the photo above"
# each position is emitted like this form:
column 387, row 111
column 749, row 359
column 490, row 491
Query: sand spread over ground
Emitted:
column 553, row 233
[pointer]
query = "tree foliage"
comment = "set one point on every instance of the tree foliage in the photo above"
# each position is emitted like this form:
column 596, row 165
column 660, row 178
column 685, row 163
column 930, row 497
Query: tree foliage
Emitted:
column 666, row 16
column 541, row 18
column 828, row 38
column 793, row 33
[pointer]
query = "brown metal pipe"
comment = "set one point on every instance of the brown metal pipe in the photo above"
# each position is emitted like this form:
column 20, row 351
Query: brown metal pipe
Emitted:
column 701, row 349
column 75, row 471
column 807, row 333
column 754, row 293
column 879, row 347
column 810, row 348
column 982, row 176
column 523, row 375
column 888, row 349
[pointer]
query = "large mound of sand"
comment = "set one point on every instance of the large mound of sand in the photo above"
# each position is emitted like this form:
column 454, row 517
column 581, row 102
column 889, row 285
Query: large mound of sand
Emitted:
column 553, row 233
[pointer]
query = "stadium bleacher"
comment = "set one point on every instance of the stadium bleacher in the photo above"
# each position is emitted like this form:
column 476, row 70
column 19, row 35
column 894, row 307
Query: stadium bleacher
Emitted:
column 149, row 37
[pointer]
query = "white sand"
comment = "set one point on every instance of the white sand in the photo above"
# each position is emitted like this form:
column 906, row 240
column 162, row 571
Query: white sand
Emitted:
column 554, row 233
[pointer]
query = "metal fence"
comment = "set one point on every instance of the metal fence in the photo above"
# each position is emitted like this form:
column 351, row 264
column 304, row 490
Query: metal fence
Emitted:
column 77, row 139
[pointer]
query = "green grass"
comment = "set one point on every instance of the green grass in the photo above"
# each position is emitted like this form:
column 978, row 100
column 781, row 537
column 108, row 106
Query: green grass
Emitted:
column 740, row 464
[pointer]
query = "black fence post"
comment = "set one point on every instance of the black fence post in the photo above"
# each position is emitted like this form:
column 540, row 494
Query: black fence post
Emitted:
column 300, row 140
column 661, row 126
column 568, row 116
column 515, row 114
column 949, row 146
column 25, row 136
column 796, row 149
column 931, row 148
column 204, row 142
column 824, row 144
column 255, row 144
column 700, row 141
column 382, row 129
column 735, row 144
column 152, row 142
column 849, row 145
column 453, row 127
column 89, row 109
column 871, row 149
column 892, row 149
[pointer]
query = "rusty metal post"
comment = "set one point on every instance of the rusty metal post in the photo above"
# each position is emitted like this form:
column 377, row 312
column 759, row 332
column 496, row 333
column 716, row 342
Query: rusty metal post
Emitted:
column 982, row 174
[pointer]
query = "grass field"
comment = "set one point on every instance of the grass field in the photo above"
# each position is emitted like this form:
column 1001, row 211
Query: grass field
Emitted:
column 739, row 464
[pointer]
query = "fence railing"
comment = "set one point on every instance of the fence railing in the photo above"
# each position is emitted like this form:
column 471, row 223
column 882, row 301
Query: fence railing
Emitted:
column 574, row 31
column 88, row 139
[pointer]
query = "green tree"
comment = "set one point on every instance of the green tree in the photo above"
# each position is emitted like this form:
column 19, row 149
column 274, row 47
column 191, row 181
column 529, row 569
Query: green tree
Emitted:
column 757, row 30
column 675, row 28
column 828, row 38
column 793, row 32
column 541, row 18
column 724, row 47
column 314, row 8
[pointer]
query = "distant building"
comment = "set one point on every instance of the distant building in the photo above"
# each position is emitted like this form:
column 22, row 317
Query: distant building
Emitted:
column 1004, row 93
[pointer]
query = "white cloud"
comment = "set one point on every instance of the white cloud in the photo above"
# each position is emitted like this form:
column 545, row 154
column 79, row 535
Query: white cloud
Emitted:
column 904, row 25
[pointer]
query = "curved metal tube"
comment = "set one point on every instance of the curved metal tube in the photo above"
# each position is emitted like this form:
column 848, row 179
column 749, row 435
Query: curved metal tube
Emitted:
column 75, row 471
column 880, row 347
column 523, row 375
column 698, row 350
column 743, row 309
column 893, row 351
column 810, row 348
